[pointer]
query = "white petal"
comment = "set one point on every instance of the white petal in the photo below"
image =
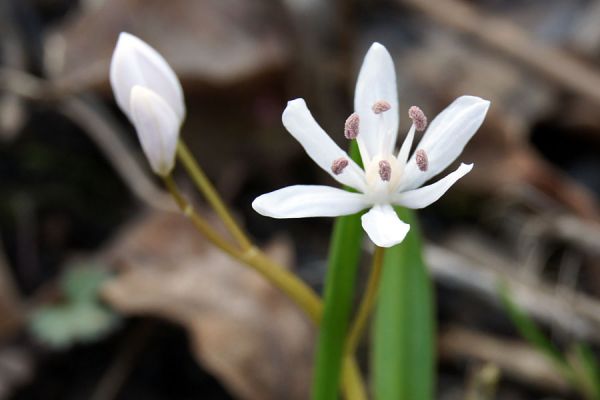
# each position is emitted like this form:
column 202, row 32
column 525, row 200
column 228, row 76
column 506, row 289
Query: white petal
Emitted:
column 446, row 138
column 406, row 146
column 133, row 63
column 377, row 81
column 157, row 127
column 302, row 201
column 383, row 226
column 424, row 196
column 318, row 145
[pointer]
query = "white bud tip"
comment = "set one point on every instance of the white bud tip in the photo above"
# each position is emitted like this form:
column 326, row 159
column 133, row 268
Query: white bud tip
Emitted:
column 418, row 118
column 381, row 106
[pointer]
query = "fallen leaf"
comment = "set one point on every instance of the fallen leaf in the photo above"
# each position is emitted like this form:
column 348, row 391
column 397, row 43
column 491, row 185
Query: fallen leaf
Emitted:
column 213, row 41
column 242, row 329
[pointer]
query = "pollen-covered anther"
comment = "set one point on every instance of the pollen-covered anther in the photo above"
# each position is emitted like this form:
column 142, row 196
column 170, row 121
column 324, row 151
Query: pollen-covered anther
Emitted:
column 338, row 166
column 421, row 159
column 418, row 118
column 385, row 170
column 351, row 126
column 381, row 106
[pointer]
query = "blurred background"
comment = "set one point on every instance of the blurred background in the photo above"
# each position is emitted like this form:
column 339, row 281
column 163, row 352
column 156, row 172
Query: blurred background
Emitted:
column 107, row 294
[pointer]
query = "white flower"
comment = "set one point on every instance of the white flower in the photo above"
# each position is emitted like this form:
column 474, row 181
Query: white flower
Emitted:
column 387, row 179
column 149, row 93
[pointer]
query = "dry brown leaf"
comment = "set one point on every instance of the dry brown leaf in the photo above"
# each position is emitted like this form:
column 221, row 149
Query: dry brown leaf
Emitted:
column 215, row 41
column 517, row 360
column 243, row 330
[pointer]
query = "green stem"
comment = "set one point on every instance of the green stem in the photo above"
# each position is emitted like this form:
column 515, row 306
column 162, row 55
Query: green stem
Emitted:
column 352, row 384
column 367, row 303
column 199, row 223
column 287, row 282
column 212, row 196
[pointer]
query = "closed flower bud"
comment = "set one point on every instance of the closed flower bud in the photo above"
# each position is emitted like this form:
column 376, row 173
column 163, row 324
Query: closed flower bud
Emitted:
column 157, row 127
column 136, row 63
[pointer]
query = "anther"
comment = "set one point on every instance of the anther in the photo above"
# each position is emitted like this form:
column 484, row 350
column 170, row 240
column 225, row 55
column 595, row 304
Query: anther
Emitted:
column 385, row 170
column 421, row 159
column 338, row 166
column 351, row 126
column 381, row 106
column 418, row 117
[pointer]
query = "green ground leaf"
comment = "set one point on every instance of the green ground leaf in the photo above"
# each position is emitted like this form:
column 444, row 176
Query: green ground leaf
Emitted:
column 586, row 370
column 404, row 327
column 81, row 281
column 81, row 317
column 64, row 325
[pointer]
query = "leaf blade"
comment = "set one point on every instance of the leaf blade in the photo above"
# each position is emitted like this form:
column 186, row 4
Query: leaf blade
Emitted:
column 338, row 298
column 404, row 326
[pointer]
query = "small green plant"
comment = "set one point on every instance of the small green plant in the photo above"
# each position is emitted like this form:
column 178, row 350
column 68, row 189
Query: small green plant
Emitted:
column 577, row 365
column 80, row 317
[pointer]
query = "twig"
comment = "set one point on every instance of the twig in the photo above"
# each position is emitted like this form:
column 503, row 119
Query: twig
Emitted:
column 510, row 39
column 105, row 133
column 11, row 302
column 516, row 359
column 96, row 122
column 112, row 381
column 570, row 312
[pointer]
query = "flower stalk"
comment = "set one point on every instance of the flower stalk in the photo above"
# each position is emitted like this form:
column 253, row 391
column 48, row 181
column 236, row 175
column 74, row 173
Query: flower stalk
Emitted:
column 208, row 190
column 278, row 275
column 368, row 301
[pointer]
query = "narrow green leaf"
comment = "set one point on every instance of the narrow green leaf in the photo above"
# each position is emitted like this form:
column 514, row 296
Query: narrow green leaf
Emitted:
column 585, row 370
column 338, row 299
column 403, row 356
column 529, row 330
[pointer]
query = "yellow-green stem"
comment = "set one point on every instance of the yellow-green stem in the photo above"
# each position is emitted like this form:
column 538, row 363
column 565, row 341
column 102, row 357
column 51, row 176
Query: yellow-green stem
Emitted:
column 199, row 223
column 352, row 384
column 212, row 196
column 367, row 303
column 287, row 282
column 293, row 287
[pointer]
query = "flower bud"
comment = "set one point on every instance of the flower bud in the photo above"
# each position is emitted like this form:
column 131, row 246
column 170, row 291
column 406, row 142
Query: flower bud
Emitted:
column 157, row 127
column 136, row 63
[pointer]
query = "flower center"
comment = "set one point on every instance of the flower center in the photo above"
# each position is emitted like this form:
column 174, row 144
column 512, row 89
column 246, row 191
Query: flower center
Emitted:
column 383, row 176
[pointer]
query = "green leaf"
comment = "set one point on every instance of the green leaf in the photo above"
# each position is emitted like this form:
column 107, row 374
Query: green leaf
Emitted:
column 586, row 371
column 529, row 330
column 81, row 317
column 64, row 325
column 403, row 347
column 338, row 298
column 81, row 282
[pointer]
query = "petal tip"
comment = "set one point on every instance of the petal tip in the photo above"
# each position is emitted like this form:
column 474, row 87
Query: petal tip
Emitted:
column 467, row 167
column 377, row 50
column 257, row 206
column 128, row 41
column 383, row 226
column 296, row 102
column 376, row 46
column 476, row 100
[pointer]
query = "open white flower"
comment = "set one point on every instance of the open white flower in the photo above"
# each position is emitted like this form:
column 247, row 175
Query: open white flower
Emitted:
column 387, row 179
column 149, row 93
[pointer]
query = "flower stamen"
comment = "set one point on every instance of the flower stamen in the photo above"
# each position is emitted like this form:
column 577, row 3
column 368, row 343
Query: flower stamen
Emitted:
column 418, row 118
column 338, row 166
column 421, row 159
column 385, row 170
column 351, row 126
column 381, row 106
